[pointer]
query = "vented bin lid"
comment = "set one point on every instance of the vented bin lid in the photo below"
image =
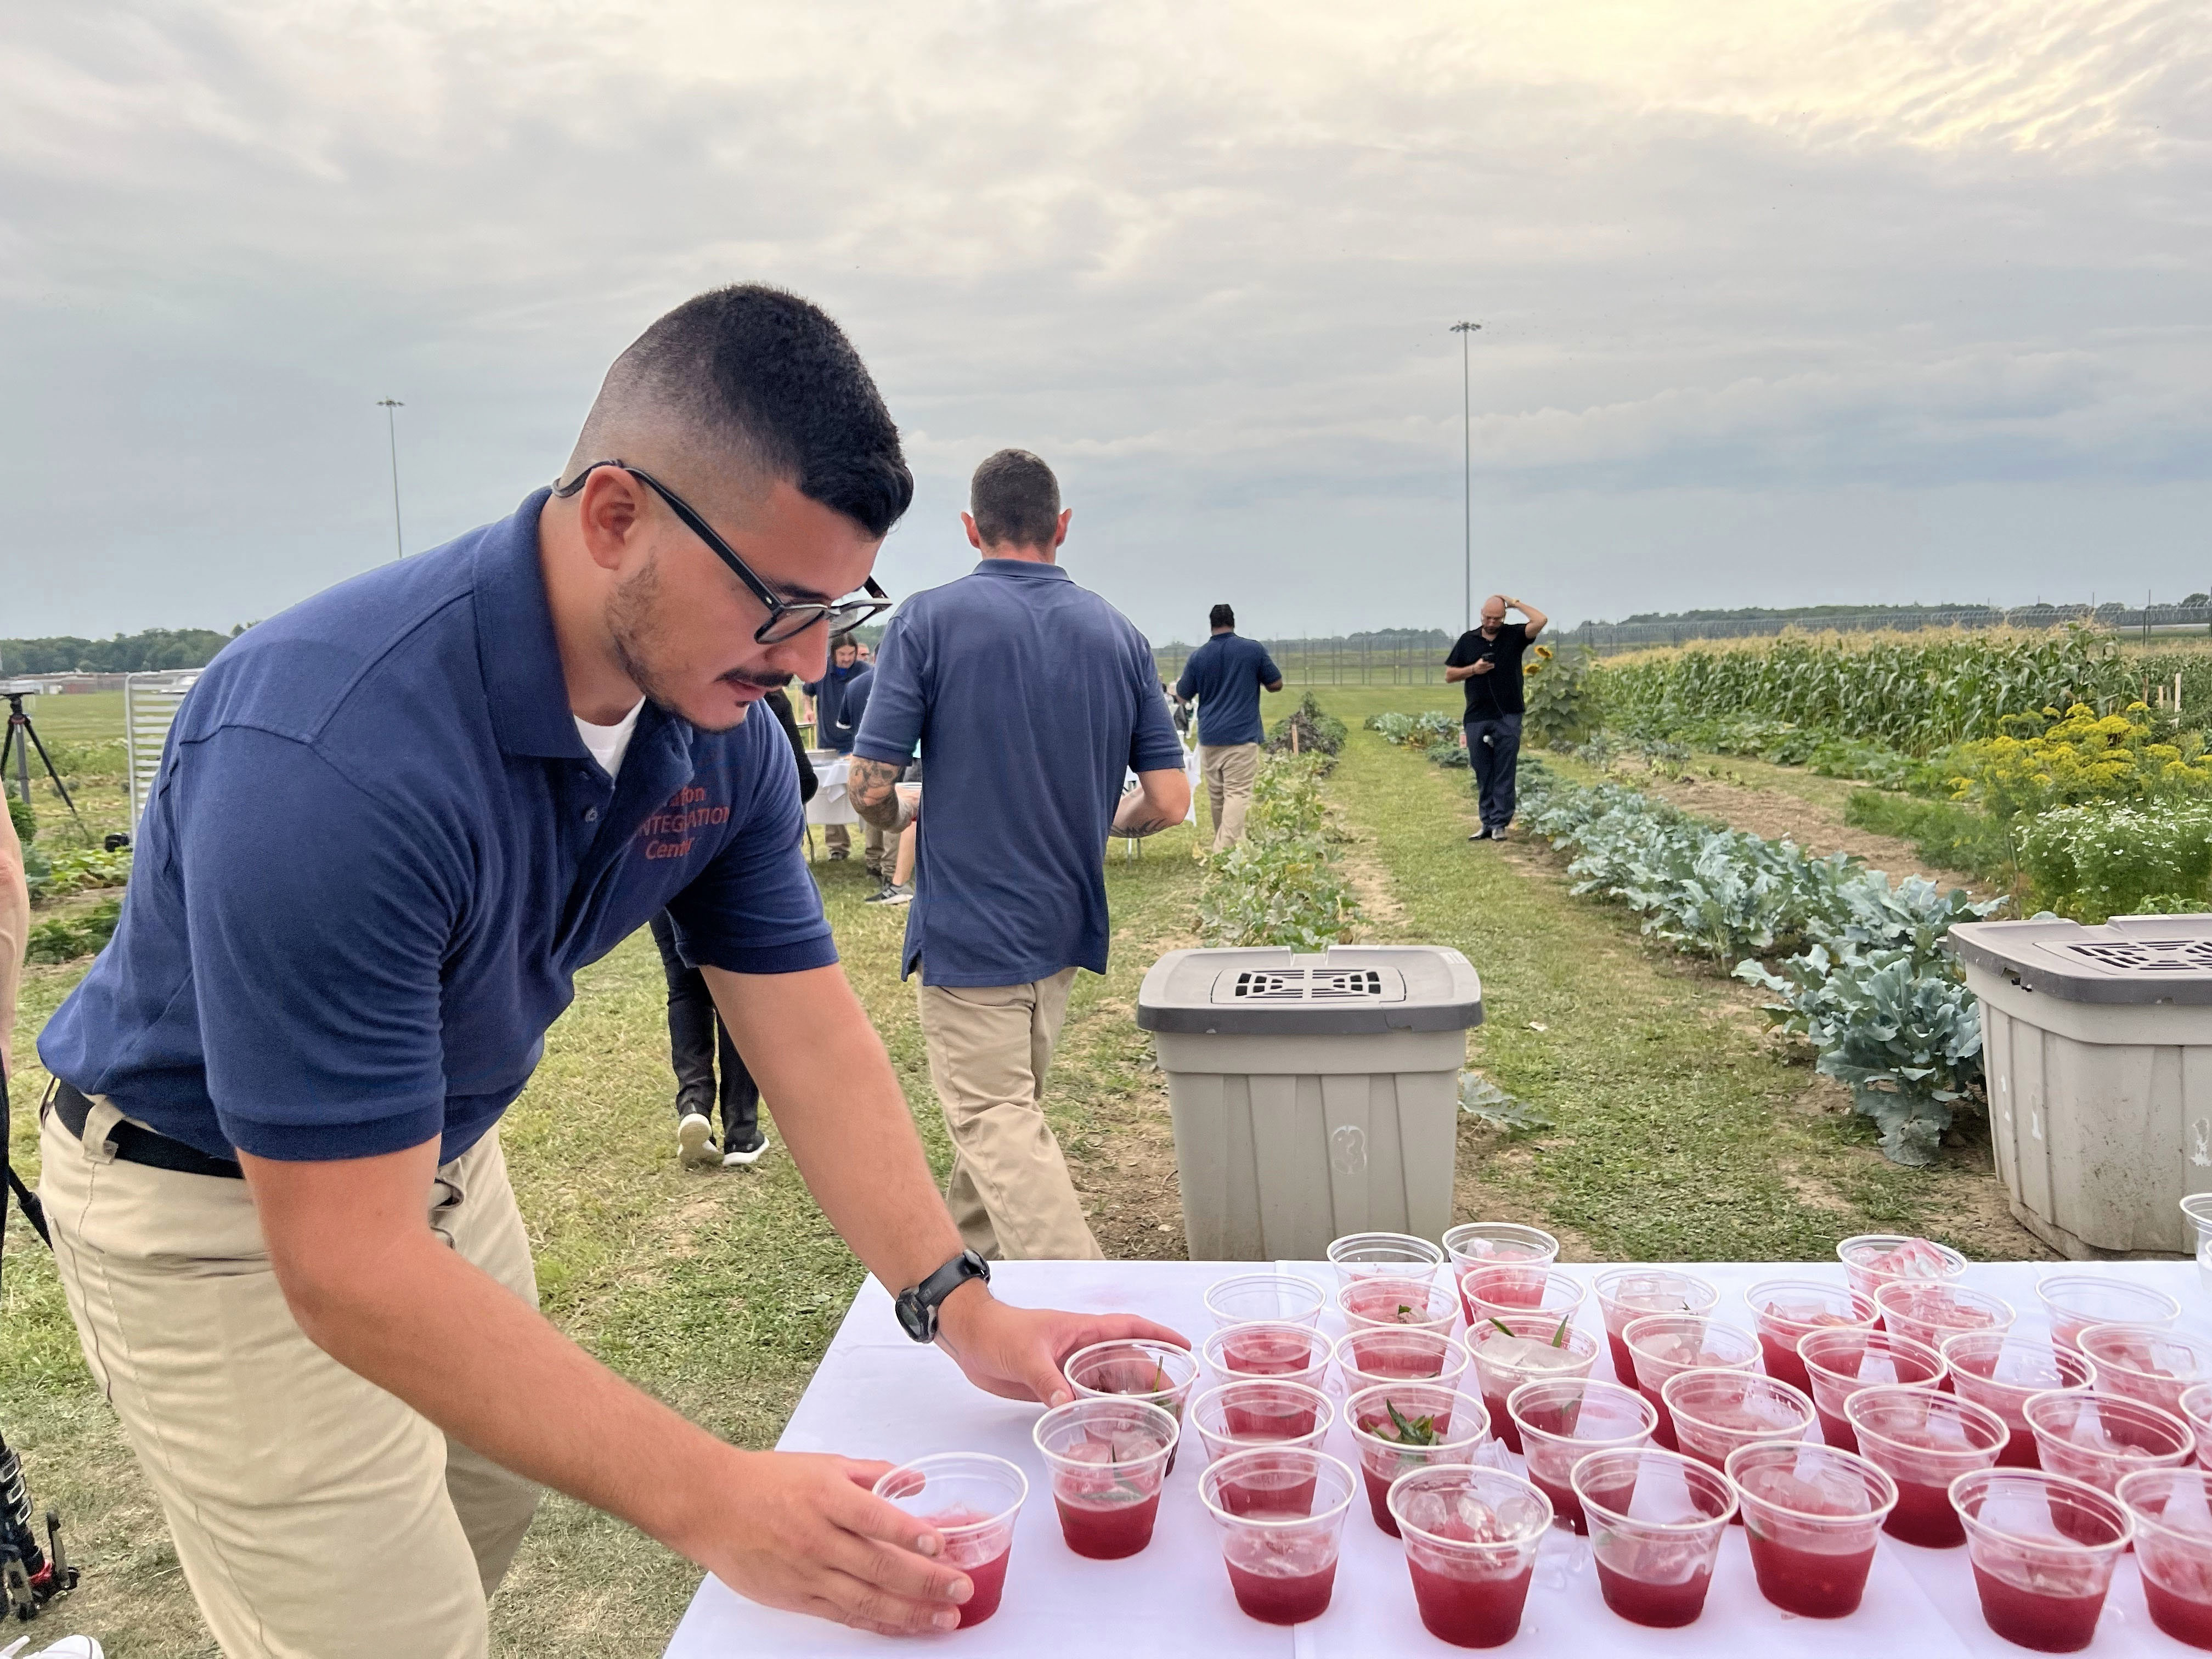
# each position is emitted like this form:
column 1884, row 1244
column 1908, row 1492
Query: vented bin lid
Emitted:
column 2131, row 959
column 1343, row 991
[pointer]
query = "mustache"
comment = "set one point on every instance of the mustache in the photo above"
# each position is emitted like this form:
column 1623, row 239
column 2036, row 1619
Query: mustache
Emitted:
column 765, row 682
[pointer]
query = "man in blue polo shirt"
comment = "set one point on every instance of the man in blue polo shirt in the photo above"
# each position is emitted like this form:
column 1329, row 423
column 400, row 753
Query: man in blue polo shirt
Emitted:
column 389, row 828
column 840, row 697
column 1032, row 700
column 1225, row 678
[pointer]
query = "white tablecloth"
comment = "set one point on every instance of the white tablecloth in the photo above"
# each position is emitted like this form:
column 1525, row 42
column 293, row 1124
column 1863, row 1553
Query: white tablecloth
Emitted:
column 829, row 804
column 877, row 1394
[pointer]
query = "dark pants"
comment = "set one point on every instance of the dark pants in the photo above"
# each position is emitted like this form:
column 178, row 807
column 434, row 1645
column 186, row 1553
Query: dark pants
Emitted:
column 1494, row 748
column 695, row 1033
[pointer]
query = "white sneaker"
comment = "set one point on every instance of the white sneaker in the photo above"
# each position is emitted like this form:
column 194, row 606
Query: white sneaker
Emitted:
column 736, row 1159
column 695, row 1143
column 69, row 1647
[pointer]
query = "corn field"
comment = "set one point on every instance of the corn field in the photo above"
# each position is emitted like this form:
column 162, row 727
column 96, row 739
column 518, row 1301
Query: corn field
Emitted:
column 1916, row 693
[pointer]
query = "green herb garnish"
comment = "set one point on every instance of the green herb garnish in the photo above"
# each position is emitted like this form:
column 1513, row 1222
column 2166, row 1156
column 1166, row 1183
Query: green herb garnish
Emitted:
column 1415, row 1432
column 1404, row 1309
column 1502, row 1326
column 1559, row 1336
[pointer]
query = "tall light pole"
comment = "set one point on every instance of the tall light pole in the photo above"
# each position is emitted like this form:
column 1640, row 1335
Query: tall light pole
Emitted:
column 391, row 434
column 1465, row 333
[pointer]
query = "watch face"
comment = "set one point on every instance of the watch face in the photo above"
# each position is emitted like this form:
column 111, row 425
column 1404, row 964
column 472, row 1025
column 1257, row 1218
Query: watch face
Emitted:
column 913, row 1317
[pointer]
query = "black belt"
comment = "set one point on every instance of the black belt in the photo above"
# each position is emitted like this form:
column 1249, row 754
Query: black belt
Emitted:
column 134, row 1144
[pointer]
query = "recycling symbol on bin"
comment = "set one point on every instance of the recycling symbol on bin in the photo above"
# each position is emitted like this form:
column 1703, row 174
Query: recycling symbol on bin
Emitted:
column 1347, row 1149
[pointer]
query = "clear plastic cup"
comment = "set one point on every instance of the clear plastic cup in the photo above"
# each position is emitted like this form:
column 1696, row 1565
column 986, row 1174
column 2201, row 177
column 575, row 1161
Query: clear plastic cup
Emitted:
column 2197, row 1410
column 1387, row 1303
column 1929, row 1313
column 2042, row 1549
column 1246, row 1297
column 1483, row 1291
column 1510, row 1350
column 2146, row 1363
column 2076, row 1301
column 2098, row 1437
column 1259, row 1411
column 1664, row 1344
column 1400, row 1255
column 1923, row 1441
column 1471, row 1536
column 1842, row 1362
column 1281, row 1512
column 1366, row 1358
column 2003, row 1370
column 1784, row 1309
column 1401, row 1426
column 1107, row 1458
column 1563, row 1421
column 1159, row 1373
column 1499, row 1243
column 1871, row 1259
column 1655, row 1523
column 2171, row 1510
column 1812, row 1514
column 2196, row 1210
column 1628, row 1294
column 1716, row 1412
column 1267, row 1347
column 972, row 1499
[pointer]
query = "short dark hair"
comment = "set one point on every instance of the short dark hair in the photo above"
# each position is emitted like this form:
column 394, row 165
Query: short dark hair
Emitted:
column 1015, row 501
column 1221, row 617
column 771, row 375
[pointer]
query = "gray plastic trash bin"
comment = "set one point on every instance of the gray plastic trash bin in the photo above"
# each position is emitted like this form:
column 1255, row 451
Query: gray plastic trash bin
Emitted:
column 2097, row 1043
column 1313, row 1096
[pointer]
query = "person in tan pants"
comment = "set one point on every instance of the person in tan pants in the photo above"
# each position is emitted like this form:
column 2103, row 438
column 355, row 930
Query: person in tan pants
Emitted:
column 1031, row 700
column 1225, row 676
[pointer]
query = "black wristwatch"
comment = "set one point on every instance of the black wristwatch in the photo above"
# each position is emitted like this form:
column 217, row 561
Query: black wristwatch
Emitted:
column 917, row 1307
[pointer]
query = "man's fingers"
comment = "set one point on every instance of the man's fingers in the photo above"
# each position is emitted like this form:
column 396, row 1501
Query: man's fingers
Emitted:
column 867, row 1516
column 864, row 1473
column 861, row 1605
column 899, row 1573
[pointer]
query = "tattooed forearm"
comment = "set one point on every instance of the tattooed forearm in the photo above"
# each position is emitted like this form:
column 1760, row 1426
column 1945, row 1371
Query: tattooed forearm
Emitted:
column 1144, row 824
column 869, row 786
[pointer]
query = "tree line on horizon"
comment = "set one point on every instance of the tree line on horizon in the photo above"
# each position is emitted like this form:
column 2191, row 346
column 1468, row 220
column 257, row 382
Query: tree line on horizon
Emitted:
column 154, row 649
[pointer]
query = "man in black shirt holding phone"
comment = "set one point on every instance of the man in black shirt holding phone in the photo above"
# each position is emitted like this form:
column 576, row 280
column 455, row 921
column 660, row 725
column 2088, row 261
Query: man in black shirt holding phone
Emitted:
column 1487, row 660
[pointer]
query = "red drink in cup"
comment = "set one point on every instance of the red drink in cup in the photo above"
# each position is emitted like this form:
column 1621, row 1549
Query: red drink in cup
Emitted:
column 1109, row 1457
column 2146, row 1363
column 1388, row 1303
column 1785, row 1309
column 2075, row 1302
column 1500, row 1244
column 1812, row 1513
column 1471, row 1541
column 1503, row 1292
column 972, row 1500
column 1923, row 1441
column 2197, row 1412
column 1157, row 1373
column 1664, row 1344
column 1398, row 1427
column 1628, row 1294
column 2098, row 1437
column 2003, row 1370
column 2042, row 1549
column 1268, row 1348
column 1366, row 1358
column 1511, row 1350
column 2173, row 1513
column 1930, row 1313
column 1281, row 1554
column 1655, row 1523
column 1563, row 1422
column 1260, row 1412
column 1872, row 1260
column 1840, row 1363
column 1715, row 1412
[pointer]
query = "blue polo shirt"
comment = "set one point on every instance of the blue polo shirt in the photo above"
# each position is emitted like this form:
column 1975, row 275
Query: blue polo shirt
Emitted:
column 1225, row 675
column 1030, row 698
column 840, row 697
column 377, row 853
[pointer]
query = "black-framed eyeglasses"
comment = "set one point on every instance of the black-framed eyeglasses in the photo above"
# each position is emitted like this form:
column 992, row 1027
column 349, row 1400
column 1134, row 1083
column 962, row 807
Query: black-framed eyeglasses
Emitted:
column 786, row 621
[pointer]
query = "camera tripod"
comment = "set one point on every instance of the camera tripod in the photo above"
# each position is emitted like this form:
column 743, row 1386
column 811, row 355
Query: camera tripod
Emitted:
column 23, row 738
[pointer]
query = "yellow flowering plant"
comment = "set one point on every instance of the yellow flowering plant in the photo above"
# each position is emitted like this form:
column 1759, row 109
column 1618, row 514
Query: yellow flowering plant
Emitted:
column 2048, row 759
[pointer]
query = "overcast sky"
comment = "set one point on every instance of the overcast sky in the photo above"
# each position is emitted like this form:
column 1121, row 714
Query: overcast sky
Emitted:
column 1781, row 303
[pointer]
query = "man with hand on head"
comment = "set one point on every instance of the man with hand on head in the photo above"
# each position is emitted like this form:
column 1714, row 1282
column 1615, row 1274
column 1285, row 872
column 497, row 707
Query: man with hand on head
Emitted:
column 1486, row 659
column 1225, row 677
column 1031, row 700
column 281, row 1214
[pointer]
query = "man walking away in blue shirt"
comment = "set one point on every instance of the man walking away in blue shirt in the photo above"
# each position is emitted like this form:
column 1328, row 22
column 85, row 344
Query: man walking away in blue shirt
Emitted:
column 1030, row 698
column 1224, row 676
column 840, row 697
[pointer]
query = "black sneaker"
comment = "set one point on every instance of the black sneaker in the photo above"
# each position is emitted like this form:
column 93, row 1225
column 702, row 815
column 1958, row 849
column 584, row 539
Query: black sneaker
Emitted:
column 746, row 1151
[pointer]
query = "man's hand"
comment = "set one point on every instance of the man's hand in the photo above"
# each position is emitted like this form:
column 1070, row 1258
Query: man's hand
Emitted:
column 1483, row 667
column 873, row 787
column 803, row 1532
column 1016, row 1352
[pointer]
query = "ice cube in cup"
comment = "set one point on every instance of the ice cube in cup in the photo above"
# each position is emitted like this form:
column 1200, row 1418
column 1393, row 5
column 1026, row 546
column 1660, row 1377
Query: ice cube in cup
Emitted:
column 1498, row 1244
column 1871, row 1259
column 1259, row 1411
column 1471, row 1536
column 2004, row 1369
column 1784, row 1309
column 2171, row 1510
column 1923, row 1441
column 2147, row 1362
column 1812, row 1514
column 1716, row 1412
column 1509, row 1350
column 1485, row 1291
column 1384, row 1302
column 1565, row 1420
column 1109, row 1456
column 1842, row 1362
column 1281, row 1514
column 1655, row 1523
column 1929, row 1313
column 972, row 1499
column 1664, row 1344
column 1135, row 1368
column 2098, row 1437
column 2074, row 1302
column 2043, row 1548
column 1628, row 1294
column 1401, row 1426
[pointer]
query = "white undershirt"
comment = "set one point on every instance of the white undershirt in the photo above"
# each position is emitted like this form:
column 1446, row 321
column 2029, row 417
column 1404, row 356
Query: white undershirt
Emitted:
column 608, row 743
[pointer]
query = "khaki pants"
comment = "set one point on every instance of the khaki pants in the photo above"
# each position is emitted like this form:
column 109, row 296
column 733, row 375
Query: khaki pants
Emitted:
column 838, row 838
column 1230, row 768
column 989, row 1049
column 315, row 1515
